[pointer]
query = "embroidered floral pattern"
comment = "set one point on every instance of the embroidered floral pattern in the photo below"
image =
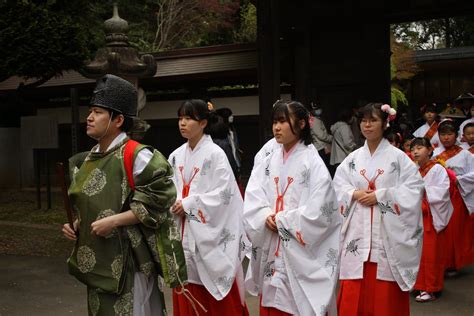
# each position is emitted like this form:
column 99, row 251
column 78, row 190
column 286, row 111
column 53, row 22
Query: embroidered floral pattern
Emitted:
column 117, row 267
column 225, row 282
column 267, row 170
column 345, row 209
column 285, row 235
column 153, row 247
column 147, row 268
column 171, row 267
column 173, row 163
column 134, row 235
column 225, row 196
column 94, row 183
column 353, row 247
column 119, row 153
column 323, row 310
column 93, row 301
column 395, row 167
column 206, row 166
column 124, row 186
column 85, row 259
column 174, row 233
column 226, row 237
column 191, row 217
column 268, row 269
column 387, row 208
column 352, row 165
column 332, row 261
column 160, row 283
column 328, row 210
column 140, row 211
column 124, row 305
column 305, row 177
column 255, row 252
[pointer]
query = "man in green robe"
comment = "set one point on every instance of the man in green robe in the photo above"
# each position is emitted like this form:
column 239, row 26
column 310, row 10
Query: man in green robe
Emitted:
column 127, row 243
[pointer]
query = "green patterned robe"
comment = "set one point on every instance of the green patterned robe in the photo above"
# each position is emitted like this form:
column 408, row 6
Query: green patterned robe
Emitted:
column 100, row 188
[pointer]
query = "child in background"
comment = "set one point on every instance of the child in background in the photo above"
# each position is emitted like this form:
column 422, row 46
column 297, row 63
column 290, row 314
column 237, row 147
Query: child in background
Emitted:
column 437, row 210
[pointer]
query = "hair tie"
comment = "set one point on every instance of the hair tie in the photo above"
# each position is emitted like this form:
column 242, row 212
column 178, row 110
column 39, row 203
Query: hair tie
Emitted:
column 210, row 107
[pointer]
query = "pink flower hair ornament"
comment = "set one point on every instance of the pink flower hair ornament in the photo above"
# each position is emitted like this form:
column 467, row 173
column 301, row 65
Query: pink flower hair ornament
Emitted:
column 392, row 113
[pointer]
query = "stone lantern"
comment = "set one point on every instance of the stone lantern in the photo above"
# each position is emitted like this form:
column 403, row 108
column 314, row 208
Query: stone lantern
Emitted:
column 123, row 60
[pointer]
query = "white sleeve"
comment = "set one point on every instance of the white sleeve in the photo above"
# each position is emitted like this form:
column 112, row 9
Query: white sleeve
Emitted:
column 141, row 161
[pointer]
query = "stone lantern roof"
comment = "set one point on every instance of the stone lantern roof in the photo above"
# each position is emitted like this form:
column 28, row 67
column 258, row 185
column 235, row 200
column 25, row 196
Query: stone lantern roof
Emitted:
column 118, row 57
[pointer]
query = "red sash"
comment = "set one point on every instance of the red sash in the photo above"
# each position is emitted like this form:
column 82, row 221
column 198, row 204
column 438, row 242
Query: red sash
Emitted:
column 427, row 167
column 432, row 130
column 471, row 149
column 128, row 153
column 449, row 153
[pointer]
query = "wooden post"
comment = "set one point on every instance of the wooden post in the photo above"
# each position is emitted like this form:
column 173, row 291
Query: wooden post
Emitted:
column 268, row 46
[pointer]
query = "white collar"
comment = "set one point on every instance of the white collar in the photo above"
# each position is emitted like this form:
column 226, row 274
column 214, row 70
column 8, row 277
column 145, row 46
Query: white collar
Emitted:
column 120, row 137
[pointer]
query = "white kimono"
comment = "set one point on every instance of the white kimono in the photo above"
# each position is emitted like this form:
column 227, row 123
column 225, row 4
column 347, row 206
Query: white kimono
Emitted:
column 266, row 150
column 463, row 165
column 394, row 238
column 214, row 241
column 421, row 131
column 437, row 194
column 295, row 270
column 464, row 145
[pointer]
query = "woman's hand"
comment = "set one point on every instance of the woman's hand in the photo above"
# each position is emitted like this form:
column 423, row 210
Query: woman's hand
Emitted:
column 177, row 208
column 68, row 232
column 368, row 198
column 271, row 224
column 103, row 227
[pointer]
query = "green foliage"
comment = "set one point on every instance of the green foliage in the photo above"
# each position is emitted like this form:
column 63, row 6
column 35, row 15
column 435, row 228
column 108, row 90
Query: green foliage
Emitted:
column 247, row 32
column 43, row 39
column 438, row 33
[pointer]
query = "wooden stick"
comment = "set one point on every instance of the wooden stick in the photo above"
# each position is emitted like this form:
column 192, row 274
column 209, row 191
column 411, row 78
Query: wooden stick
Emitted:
column 67, row 202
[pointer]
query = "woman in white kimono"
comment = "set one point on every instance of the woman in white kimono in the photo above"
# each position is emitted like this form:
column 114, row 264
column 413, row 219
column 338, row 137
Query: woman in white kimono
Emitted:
column 290, row 215
column 437, row 210
column 460, row 230
column 208, row 211
column 379, row 190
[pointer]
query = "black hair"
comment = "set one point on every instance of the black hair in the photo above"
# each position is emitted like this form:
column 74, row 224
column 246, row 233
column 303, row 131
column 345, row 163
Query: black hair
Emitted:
column 225, row 113
column 345, row 115
column 198, row 110
column 433, row 108
column 447, row 126
column 394, row 137
column 219, row 129
column 470, row 124
column 282, row 110
column 371, row 110
column 421, row 141
column 127, row 121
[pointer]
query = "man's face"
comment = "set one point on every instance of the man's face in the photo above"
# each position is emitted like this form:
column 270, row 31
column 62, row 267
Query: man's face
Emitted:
column 98, row 122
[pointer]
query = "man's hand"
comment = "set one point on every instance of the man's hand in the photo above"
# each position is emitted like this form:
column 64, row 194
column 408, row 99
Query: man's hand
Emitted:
column 68, row 232
column 103, row 227
column 177, row 208
column 271, row 224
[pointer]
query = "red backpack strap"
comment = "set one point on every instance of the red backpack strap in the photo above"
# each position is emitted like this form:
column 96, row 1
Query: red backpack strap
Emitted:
column 128, row 154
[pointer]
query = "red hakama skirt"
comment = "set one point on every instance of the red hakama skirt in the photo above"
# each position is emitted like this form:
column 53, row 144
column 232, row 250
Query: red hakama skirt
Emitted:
column 230, row 305
column 370, row 296
column 459, row 236
column 431, row 272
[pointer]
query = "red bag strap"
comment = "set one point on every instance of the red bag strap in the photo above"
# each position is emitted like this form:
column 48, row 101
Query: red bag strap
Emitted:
column 128, row 154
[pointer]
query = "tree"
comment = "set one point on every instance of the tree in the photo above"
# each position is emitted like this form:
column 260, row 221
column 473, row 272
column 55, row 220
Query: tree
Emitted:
column 438, row 33
column 402, row 68
column 41, row 39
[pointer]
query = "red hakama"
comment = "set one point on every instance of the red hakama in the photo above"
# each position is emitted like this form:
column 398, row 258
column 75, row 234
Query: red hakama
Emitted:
column 370, row 296
column 271, row 311
column 459, row 234
column 230, row 305
column 431, row 272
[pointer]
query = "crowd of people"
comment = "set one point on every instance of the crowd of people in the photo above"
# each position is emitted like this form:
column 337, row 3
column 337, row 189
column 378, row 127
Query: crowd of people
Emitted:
column 391, row 220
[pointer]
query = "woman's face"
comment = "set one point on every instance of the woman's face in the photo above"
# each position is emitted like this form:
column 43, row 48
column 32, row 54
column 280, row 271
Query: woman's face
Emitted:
column 421, row 154
column 406, row 145
column 190, row 128
column 448, row 139
column 282, row 131
column 372, row 128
